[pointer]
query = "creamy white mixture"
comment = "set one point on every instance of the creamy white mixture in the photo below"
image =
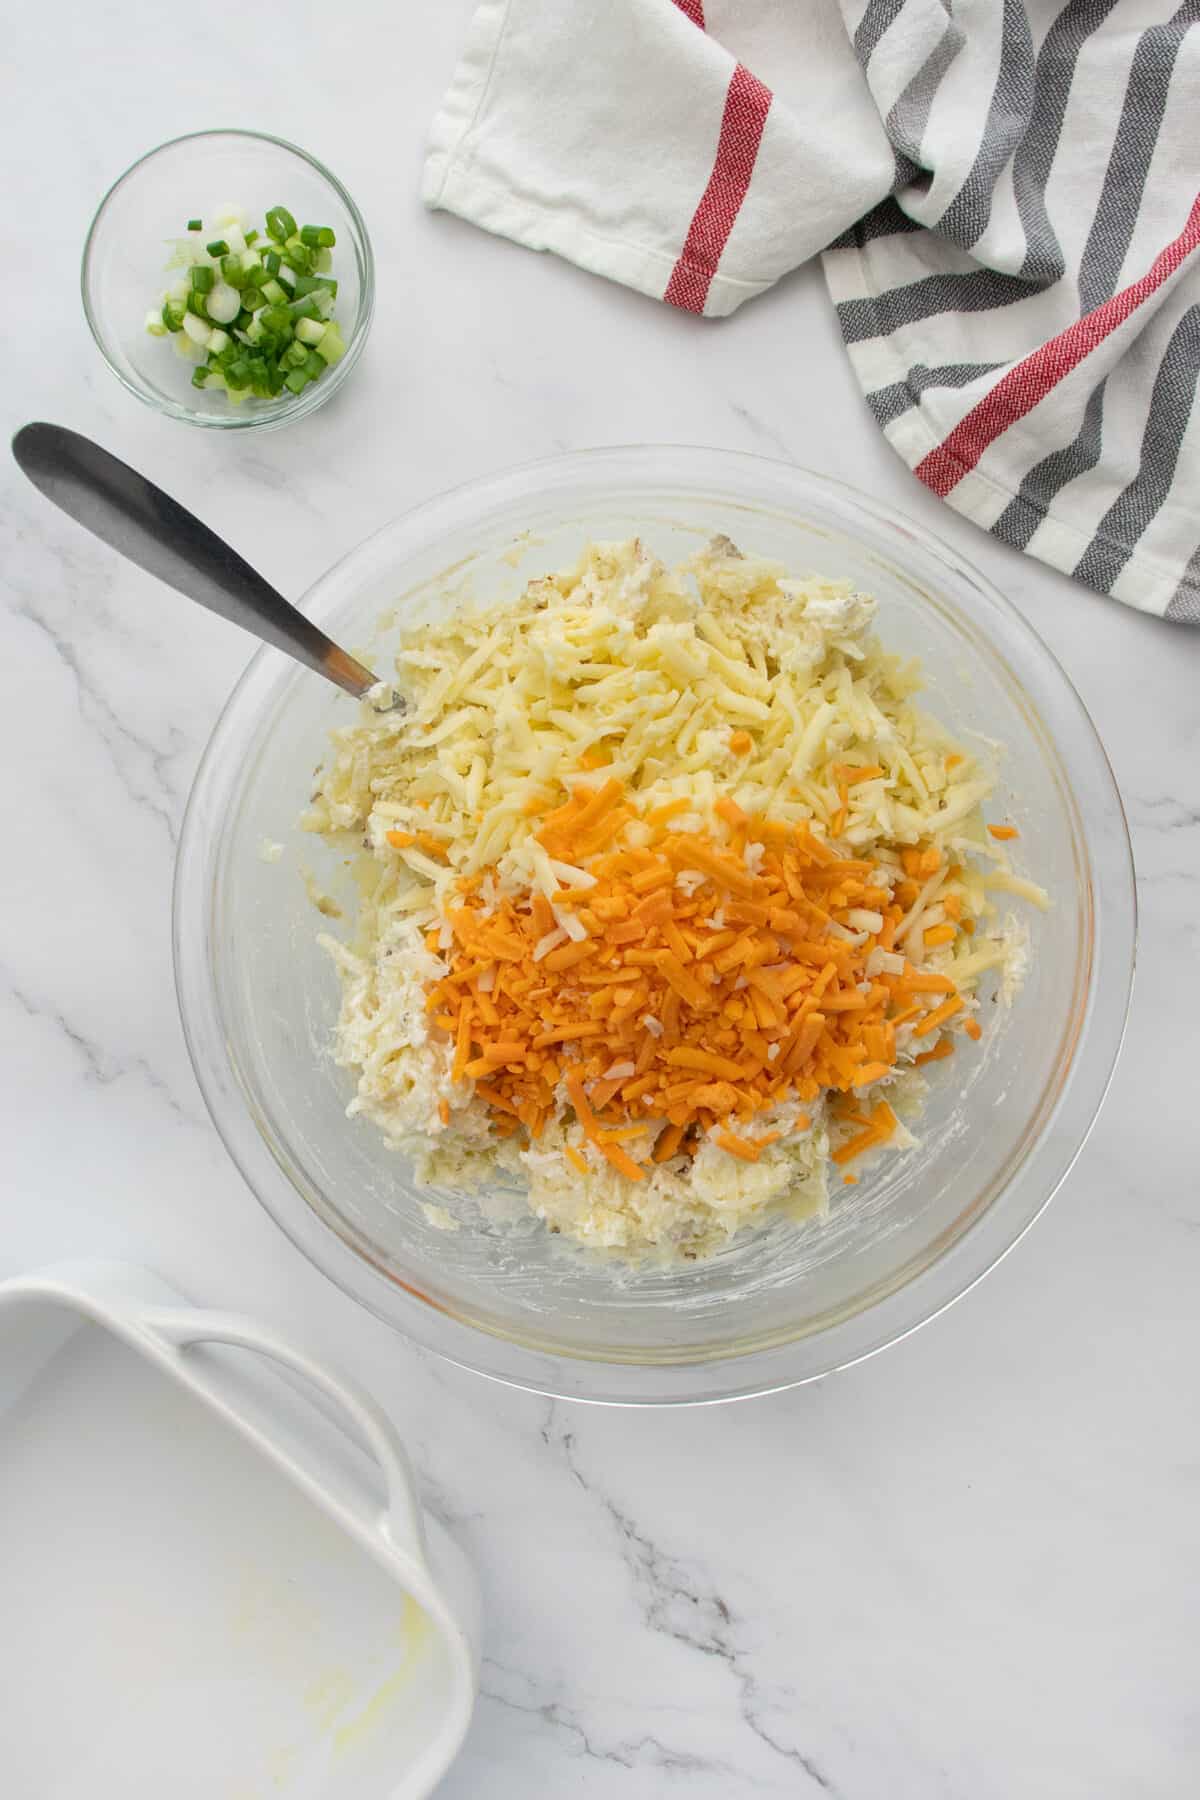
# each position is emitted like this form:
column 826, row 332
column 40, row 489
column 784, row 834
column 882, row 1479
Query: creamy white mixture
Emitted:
column 669, row 670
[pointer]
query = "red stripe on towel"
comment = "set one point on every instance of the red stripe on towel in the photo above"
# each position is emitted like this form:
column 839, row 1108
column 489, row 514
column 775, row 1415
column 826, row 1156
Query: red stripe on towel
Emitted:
column 746, row 106
column 1030, row 381
column 694, row 10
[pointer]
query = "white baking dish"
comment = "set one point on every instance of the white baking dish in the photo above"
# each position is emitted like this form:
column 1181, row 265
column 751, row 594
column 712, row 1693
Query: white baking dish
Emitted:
column 207, row 1590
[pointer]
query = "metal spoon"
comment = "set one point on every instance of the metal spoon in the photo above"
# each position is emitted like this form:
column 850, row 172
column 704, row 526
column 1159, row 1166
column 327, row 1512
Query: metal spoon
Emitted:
column 151, row 529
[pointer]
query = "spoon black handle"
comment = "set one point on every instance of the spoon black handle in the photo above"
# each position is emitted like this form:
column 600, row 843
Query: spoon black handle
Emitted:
column 146, row 525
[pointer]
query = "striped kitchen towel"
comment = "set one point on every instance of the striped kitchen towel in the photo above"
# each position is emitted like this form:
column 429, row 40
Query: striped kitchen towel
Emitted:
column 1006, row 194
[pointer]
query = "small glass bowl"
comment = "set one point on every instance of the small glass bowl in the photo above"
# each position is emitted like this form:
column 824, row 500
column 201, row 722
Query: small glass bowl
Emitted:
column 142, row 215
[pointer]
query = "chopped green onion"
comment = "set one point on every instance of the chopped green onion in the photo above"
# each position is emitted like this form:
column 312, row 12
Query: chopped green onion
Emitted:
column 331, row 348
column 317, row 285
column 223, row 304
column 255, row 321
column 280, row 224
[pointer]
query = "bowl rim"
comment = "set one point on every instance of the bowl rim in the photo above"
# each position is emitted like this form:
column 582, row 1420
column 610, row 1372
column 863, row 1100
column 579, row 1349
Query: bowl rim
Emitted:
column 316, row 393
column 738, row 1373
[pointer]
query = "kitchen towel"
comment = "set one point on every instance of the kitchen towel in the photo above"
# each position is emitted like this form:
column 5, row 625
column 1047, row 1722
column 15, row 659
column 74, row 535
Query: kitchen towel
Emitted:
column 1005, row 195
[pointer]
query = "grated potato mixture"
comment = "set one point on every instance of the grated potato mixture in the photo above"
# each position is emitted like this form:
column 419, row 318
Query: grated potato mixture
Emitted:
column 727, row 688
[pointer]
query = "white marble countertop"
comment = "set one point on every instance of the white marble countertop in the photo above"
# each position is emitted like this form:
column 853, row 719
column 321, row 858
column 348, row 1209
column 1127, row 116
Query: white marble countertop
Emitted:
column 969, row 1568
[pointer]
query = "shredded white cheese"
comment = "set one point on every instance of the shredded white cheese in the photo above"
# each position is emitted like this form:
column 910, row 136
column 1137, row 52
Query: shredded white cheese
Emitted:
column 725, row 680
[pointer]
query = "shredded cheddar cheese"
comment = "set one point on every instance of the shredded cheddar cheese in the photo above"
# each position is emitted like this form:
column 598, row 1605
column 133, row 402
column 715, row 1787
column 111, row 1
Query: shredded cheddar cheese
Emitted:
column 665, row 882
column 762, row 1008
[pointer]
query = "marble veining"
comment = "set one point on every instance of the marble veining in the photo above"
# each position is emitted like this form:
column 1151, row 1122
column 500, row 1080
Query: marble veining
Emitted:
column 679, row 1601
column 968, row 1569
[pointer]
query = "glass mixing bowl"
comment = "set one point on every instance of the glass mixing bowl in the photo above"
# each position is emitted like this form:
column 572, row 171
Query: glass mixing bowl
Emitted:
column 794, row 1300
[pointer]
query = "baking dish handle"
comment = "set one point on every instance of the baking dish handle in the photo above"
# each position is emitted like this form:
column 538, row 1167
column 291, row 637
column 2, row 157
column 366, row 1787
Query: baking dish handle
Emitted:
column 178, row 1328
